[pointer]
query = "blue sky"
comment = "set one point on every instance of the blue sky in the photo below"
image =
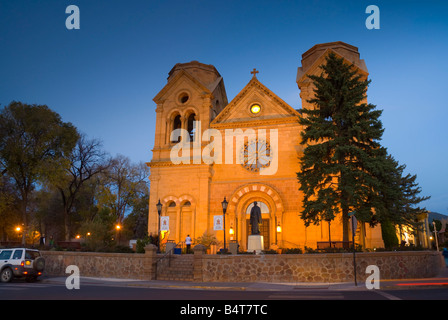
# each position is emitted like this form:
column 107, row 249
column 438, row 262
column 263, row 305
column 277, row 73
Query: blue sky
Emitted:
column 102, row 77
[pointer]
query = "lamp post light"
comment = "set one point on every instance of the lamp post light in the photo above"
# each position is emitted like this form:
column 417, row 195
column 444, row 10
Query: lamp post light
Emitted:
column 224, row 209
column 21, row 233
column 159, row 211
column 278, row 229
column 18, row 229
column 117, row 232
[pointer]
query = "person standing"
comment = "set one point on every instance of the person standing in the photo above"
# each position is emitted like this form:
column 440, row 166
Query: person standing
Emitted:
column 188, row 243
column 51, row 242
column 42, row 241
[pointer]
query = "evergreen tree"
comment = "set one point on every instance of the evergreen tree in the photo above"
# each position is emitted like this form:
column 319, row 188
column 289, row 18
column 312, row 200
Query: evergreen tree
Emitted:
column 407, row 209
column 389, row 234
column 399, row 200
column 400, row 194
column 410, row 211
column 343, row 156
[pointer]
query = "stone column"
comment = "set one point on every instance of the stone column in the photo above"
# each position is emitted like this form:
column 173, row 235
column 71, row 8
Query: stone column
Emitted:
column 159, row 139
column 199, row 251
column 150, row 260
column 178, row 223
column 153, row 217
column 203, row 215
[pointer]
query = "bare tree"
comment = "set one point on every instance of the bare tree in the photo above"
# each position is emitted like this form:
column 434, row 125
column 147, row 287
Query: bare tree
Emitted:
column 122, row 183
column 86, row 161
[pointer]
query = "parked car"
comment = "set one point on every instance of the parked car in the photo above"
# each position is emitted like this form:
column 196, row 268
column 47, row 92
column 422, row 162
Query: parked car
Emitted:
column 20, row 263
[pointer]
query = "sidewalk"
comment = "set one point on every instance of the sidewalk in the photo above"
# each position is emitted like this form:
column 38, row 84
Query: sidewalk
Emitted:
column 231, row 286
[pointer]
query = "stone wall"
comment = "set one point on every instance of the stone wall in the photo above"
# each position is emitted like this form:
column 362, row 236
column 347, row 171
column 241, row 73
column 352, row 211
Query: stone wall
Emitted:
column 104, row 265
column 335, row 267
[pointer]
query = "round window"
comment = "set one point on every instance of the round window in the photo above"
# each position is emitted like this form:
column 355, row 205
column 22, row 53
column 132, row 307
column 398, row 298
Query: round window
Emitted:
column 255, row 108
column 183, row 97
column 256, row 154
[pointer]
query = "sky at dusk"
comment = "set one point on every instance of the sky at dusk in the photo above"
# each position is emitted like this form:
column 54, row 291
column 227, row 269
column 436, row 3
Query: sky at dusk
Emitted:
column 103, row 77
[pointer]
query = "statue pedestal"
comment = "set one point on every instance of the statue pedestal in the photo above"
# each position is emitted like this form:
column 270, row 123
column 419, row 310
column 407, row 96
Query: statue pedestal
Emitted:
column 255, row 243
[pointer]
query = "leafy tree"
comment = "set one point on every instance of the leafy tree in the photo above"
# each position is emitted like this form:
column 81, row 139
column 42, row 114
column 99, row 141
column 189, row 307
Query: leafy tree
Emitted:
column 137, row 221
column 9, row 215
column 47, row 212
column 33, row 143
column 98, row 232
column 343, row 156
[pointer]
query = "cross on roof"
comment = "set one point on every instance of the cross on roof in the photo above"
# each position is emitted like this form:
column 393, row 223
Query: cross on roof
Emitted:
column 254, row 72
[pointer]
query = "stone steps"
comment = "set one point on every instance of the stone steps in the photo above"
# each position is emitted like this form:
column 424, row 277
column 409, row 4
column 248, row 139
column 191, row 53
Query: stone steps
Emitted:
column 180, row 268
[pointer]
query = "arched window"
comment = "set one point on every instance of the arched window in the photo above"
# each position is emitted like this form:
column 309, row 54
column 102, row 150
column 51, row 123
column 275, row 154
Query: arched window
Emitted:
column 177, row 124
column 187, row 204
column 191, row 126
column 263, row 207
column 172, row 204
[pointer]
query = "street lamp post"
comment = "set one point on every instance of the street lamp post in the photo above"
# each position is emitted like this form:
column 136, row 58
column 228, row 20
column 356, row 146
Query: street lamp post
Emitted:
column 159, row 211
column 354, row 223
column 224, row 209
column 435, row 235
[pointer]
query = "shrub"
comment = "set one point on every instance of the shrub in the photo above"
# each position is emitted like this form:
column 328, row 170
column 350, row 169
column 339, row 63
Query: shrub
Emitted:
column 389, row 235
column 292, row 251
column 270, row 252
column 207, row 239
column 310, row 250
column 141, row 244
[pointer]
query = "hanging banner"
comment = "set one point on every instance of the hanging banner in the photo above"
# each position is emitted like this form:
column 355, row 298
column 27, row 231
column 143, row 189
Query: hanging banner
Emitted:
column 354, row 223
column 164, row 223
column 217, row 223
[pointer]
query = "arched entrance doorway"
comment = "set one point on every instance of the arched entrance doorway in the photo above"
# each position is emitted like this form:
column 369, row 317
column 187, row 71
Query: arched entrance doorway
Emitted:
column 240, row 204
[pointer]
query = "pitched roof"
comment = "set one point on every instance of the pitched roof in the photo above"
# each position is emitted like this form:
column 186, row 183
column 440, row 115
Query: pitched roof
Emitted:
column 172, row 82
column 289, row 114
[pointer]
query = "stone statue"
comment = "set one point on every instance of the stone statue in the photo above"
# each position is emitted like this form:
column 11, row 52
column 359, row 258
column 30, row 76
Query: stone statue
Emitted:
column 255, row 218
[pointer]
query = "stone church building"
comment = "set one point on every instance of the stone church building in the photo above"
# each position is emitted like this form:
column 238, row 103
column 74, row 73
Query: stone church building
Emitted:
column 191, row 188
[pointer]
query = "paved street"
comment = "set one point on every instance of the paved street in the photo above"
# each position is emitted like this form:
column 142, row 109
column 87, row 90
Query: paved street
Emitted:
column 223, row 300
column 53, row 288
column 21, row 290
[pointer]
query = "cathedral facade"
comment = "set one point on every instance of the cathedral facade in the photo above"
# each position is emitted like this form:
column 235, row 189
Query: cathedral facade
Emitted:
column 246, row 150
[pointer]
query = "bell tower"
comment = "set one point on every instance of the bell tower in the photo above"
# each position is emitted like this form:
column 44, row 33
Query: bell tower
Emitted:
column 315, row 57
column 194, row 92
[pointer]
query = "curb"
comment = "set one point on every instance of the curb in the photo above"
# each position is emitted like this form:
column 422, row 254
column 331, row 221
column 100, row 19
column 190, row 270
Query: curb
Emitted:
column 186, row 287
